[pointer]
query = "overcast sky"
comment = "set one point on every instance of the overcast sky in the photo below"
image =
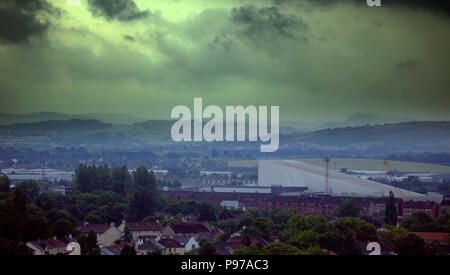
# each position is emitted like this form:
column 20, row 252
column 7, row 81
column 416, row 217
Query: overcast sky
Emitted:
column 316, row 59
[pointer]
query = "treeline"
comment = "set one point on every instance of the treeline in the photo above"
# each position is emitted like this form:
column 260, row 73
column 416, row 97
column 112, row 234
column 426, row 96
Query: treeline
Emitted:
column 22, row 219
column 205, row 211
column 426, row 157
column 100, row 195
column 413, row 183
column 309, row 235
column 134, row 195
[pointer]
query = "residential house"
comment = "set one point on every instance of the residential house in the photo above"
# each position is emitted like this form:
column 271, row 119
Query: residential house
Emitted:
column 191, row 218
column 409, row 207
column 170, row 246
column 184, row 229
column 63, row 190
column 227, row 248
column 188, row 242
column 210, row 235
column 106, row 234
column 138, row 229
column 111, row 250
column 50, row 246
column 434, row 238
column 232, row 205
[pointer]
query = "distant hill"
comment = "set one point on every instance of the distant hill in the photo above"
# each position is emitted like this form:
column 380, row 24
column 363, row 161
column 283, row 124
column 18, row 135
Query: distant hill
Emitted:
column 418, row 135
column 357, row 119
column 8, row 119
column 58, row 125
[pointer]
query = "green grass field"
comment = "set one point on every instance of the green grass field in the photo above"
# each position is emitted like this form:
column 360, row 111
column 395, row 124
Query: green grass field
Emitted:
column 360, row 164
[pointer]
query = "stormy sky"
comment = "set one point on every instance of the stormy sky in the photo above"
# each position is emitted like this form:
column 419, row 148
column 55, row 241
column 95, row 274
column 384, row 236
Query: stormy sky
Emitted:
column 316, row 59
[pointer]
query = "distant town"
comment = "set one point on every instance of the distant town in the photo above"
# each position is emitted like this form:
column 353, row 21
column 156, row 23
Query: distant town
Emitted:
column 290, row 208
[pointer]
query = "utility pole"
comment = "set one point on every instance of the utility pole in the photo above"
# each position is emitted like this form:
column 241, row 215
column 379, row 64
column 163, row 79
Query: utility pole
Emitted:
column 43, row 170
column 326, row 160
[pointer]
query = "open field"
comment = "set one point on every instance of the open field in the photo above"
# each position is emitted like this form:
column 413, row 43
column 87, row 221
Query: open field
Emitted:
column 361, row 164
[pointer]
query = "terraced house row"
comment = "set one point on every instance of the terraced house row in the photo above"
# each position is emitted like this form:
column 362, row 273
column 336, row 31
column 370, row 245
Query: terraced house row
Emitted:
column 310, row 204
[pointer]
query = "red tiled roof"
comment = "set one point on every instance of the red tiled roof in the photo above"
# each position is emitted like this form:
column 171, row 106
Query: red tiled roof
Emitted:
column 55, row 243
column 96, row 228
column 170, row 243
column 329, row 252
column 432, row 236
column 189, row 228
column 418, row 204
column 144, row 226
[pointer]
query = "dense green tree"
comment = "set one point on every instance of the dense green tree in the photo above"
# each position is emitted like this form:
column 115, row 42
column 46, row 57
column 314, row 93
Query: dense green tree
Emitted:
column 31, row 190
column 246, row 220
column 20, row 202
column 62, row 227
column 228, row 226
column 88, row 244
column 280, row 218
column 50, row 200
column 207, row 212
column 423, row 217
column 149, row 219
column 299, row 223
column 120, row 180
column 346, row 233
column 263, row 227
column 250, row 250
column 127, row 234
column 305, row 239
column 146, row 199
column 112, row 213
column 85, row 178
column 143, row 179
column 222, row 237
column 93, row 218
column 104, row 181
column 224, row 213
column 55, row 215
column 422, row 222
column 10, row 247
column 315, row 223
column 312, row 250
column 4, row 184
column 127, row 250
column 390, row 214
column 409, row 222
column 279, row 249
column 106, row 197
column 361, row 230
column 403, row 242
column 141, row 205
column 347, row 208
column 206, row 248
column 35, row 227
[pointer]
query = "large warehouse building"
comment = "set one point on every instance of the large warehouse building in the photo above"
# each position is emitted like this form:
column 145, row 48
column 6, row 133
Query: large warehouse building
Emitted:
column 295, row 174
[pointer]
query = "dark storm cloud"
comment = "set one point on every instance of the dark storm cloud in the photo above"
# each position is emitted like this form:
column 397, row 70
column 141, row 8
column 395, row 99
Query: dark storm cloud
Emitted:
column 222, row 41
column 440, row 6
column 19, row 19
column 266, row 21
column 123, row 10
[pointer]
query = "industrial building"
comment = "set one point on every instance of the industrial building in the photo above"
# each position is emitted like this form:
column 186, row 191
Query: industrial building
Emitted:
column 292, row 173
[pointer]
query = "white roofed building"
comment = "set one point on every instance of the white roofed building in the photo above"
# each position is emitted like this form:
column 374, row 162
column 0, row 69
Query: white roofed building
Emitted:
column 292, row 173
